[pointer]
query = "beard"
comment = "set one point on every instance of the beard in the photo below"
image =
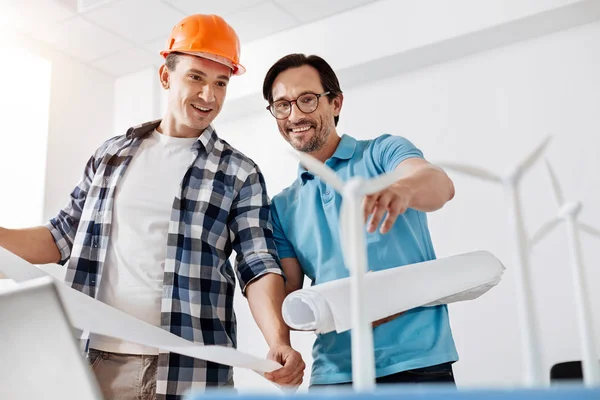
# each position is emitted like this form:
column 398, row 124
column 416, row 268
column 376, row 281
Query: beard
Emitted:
column 314, row 143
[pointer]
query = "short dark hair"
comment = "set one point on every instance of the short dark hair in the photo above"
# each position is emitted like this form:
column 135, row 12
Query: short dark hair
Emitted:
column 329, row 80
column 171, row 61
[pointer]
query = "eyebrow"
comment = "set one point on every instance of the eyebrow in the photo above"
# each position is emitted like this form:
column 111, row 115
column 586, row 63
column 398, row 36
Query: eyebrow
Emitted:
column 301, row 94
column 201, row 73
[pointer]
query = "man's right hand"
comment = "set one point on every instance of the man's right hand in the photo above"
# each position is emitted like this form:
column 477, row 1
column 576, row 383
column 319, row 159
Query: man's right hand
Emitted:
column 35, row 245
column 292, row 372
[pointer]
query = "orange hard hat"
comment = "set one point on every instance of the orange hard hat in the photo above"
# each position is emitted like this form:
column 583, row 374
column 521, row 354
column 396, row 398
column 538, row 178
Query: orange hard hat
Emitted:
column 207, row 36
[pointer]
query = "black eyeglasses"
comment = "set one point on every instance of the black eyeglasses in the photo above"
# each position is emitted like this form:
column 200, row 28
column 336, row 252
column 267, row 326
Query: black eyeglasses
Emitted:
column 307, row 103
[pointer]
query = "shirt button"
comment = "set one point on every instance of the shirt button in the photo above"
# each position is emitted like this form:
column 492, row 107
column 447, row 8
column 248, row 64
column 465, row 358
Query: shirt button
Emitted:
column 327, row 192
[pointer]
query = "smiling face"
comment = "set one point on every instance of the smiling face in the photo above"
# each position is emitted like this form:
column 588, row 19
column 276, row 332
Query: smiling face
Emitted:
column 197, row 88
column 306, row 132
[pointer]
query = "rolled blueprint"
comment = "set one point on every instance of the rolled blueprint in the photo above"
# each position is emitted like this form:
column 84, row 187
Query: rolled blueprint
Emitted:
column 325, row 307
column 88, row 314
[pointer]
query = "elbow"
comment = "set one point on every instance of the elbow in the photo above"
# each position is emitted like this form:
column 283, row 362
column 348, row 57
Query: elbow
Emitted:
column 445, row 193
column 451, row 190
column 291, row 287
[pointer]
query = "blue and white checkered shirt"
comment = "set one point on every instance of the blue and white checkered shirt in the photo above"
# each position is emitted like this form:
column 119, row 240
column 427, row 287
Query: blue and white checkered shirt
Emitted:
column 222, row 205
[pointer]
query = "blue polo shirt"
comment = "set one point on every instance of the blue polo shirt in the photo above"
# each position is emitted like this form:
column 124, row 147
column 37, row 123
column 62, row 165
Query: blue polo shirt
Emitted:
column 306, row 226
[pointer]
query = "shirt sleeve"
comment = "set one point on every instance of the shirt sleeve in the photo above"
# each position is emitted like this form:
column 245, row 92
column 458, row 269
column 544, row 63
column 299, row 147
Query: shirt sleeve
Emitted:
column 251, row 231
column 388, row 151
column 284, row 247
column 63, row 226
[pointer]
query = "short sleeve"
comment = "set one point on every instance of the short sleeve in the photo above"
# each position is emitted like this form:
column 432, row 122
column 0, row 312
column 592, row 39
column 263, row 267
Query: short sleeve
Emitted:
column 284, row 247
column 388, row 151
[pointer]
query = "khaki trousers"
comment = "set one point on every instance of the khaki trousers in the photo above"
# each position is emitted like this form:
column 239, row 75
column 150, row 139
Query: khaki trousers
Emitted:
column 125, row 376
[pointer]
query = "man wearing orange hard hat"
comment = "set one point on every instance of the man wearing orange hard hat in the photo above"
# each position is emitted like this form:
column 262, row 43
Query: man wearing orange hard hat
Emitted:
column 150, row 228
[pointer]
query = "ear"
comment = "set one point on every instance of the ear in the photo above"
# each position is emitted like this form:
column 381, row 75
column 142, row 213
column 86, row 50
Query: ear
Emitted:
column 337, row 104
column 164, row 76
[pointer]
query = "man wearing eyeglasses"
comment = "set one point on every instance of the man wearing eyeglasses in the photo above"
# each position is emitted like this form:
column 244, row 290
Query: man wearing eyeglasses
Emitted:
column 305, row 98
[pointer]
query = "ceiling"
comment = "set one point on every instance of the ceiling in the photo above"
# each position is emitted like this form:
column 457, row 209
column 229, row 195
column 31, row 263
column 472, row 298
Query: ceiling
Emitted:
column 119, row 37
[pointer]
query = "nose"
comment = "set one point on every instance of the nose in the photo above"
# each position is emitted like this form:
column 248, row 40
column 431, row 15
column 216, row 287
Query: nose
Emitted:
column 207, row 94
column 295, row 113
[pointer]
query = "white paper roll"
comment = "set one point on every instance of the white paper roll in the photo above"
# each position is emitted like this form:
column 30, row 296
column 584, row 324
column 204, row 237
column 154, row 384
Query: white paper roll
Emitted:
column 325, row 307
column 88, row 314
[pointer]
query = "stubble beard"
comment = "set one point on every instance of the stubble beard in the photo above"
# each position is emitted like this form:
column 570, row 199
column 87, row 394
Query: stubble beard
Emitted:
column 315, row 143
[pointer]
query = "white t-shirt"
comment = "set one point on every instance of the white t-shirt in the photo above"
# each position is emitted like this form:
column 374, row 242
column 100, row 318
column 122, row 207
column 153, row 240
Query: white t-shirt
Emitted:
column 132, row 279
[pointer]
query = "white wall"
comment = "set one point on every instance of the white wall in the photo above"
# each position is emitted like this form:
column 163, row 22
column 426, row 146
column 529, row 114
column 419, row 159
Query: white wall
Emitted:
column 401, row 36
column 24, row 136
column 136, row 99
column 488, row 109
column 81, row 119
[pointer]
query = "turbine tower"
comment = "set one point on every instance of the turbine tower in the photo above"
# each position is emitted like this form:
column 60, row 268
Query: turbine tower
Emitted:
column 568, row 212
column 530, row 337
column 354, row 249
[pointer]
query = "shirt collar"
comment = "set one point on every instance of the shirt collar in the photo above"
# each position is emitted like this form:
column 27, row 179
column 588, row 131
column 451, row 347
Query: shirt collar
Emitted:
column 207, row 139
column 344, row 151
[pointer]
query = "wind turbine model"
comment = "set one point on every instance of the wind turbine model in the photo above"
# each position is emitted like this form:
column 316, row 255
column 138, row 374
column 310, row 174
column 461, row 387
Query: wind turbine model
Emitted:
column 354, row 246
column 568, row 212
column 530, row 338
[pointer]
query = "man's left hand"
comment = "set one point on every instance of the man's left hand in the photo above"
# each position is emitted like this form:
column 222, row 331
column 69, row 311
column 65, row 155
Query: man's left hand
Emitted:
column 394, row 200
column 292, row 372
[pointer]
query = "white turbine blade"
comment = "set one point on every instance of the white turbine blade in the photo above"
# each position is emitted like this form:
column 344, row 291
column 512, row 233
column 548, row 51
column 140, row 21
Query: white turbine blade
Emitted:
column 323, row 171
column 533, row 156
column 589, row 229
column 471, row 170
column 543, row 231
column 558, row 194
column 381, row 182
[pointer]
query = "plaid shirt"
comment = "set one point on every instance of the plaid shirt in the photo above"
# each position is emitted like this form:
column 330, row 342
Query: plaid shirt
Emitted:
column 221, row 206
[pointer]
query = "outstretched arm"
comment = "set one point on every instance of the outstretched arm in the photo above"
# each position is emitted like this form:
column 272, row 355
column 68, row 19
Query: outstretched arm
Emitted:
column 423, row 186
column 35, row 245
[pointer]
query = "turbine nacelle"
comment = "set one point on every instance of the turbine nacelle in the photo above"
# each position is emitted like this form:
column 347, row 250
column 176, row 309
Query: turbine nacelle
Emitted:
column 570, row 209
